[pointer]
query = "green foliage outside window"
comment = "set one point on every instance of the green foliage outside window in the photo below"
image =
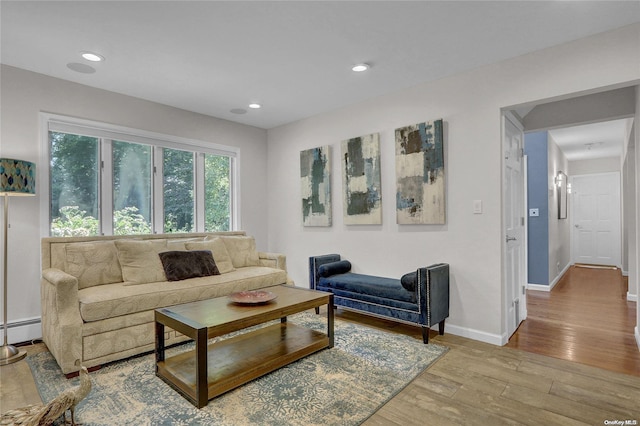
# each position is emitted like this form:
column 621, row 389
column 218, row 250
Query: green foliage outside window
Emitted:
column 74, row 222
column 217, row 193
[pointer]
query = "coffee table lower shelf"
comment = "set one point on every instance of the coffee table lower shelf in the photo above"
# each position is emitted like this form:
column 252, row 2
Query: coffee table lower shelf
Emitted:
column 240, row 359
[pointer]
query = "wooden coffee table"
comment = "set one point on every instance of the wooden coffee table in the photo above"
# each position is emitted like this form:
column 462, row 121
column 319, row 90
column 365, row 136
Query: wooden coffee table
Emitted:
column 211, row 370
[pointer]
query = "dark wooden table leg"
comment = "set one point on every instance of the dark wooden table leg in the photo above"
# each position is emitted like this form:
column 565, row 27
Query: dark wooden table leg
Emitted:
column 159, row 343
column 330, row 320
column 202, row 382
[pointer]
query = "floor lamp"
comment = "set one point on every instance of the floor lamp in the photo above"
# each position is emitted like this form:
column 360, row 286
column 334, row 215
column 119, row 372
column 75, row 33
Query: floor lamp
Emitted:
column 17, row 177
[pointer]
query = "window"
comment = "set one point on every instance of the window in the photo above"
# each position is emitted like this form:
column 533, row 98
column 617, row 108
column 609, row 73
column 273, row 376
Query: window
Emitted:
column 178, row 190
column 131, row 188
column 74, row 185
column 110, row 182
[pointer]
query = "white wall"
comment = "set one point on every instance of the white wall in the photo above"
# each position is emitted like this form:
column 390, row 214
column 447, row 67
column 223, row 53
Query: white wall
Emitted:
column 26, row 94
column 596, row 165
column 470, row 104
column 559, row 229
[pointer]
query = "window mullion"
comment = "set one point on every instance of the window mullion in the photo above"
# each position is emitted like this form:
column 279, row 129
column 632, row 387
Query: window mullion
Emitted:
column 106, row 187
column 199, row 199
column 157, row 192
column 234, row 203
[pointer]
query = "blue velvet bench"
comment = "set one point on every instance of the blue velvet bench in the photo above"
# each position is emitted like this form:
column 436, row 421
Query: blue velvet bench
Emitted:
column 420, row 297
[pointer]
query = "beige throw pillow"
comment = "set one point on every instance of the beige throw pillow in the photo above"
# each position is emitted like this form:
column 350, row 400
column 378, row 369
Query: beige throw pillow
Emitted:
column 218, row 250
column 93, row 263
column 140, row 261
column 242, row 251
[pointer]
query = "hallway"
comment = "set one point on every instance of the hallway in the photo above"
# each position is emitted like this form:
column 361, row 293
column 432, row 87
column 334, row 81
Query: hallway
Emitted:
column 586, row 318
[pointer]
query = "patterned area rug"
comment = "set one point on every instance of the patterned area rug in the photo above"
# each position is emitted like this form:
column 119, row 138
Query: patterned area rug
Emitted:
column 339, row 386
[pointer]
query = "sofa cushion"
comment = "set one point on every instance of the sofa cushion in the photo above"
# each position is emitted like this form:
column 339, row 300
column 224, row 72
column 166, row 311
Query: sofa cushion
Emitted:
column 180, row 265
column 93, row 263
column 242, row 251
column 113, row 300
column 334, row 268
column 218, row 250
column 140, row 262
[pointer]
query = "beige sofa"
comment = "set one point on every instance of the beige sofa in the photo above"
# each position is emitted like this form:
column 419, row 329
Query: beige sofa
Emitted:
column 99, row 293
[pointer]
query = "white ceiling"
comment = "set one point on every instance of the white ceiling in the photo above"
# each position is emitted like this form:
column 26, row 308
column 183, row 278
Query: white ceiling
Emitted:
column 589, row 141
column 292, row 57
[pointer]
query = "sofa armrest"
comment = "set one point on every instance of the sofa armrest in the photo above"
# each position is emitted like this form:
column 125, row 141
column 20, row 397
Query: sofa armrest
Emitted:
column 273, row 260
column 61, row 320
column 433, row 292
column 314, row 264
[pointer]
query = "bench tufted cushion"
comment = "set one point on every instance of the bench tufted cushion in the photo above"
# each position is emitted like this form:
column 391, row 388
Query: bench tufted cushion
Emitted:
column 410, row 281
column 334, row 268
column 386, row 288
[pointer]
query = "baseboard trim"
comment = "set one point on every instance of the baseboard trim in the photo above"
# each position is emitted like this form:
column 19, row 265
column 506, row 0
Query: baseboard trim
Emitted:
column 632, row 297
column 470, row 333
column 538, row 287
column 637, row 333
column 543, row 287
column 624, row 273
column 23, row 330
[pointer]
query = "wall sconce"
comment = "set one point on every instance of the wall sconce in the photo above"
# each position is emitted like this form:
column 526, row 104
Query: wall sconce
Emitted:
column 562, row 182
column 558, row 179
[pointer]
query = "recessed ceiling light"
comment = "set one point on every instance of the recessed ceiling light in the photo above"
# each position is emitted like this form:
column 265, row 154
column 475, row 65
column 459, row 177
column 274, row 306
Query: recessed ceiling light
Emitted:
column 93, row 57
column 360, row 67
column 255, row 106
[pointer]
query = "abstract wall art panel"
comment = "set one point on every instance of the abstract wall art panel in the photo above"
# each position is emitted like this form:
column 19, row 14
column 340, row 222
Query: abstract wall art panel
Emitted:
column 315, row 177
column 362, row 201
column 420, row 174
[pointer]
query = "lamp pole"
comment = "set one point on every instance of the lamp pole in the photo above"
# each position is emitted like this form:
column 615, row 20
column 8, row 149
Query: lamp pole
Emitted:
column 8, row 353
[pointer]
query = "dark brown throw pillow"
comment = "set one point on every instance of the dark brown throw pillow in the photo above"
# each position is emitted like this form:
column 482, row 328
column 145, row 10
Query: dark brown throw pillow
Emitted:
column 180, row 265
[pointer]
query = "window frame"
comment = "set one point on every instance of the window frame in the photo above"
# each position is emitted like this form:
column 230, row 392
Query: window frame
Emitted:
column 109, row 132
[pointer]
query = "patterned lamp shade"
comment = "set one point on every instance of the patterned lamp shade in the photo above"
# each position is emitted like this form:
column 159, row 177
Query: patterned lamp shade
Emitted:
column 17, row 177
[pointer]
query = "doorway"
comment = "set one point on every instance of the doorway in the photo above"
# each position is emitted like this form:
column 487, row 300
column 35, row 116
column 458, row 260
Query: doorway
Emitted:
column 595, row 230
column 551, row 117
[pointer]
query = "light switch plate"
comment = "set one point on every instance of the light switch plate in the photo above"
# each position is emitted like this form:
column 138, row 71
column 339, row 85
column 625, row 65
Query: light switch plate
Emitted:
column 534, row 212
column 477, row 206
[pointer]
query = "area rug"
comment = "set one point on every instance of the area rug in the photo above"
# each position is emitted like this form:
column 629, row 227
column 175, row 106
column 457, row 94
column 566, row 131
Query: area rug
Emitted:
column 340, row 386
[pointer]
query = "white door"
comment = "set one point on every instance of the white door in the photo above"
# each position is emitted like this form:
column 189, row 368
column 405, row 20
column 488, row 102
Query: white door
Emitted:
column 514, row 219
column 595, row 216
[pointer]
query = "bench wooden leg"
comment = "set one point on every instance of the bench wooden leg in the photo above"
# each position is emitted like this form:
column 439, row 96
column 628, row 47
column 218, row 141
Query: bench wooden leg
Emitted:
column 425, row 335
column 441, row 327
column 318, row 311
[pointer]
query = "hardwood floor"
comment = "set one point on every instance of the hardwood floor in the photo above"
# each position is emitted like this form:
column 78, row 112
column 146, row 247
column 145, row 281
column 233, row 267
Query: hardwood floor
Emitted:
column 586, row 318
column 475, row 383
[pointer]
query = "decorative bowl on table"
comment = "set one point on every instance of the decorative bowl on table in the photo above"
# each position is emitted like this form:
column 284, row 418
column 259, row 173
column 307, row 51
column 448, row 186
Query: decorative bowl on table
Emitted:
column 252, row 297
